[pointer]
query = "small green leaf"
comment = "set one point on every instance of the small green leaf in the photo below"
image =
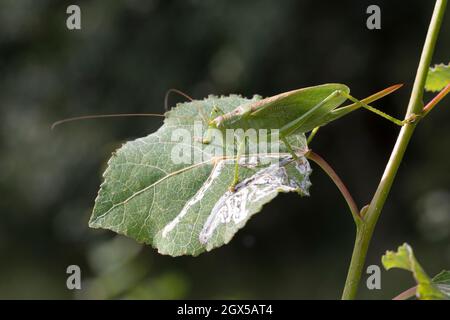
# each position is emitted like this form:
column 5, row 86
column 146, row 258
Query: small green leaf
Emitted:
column 427, row 289
column 186, row 208
column 442, row 281
column 438, row 77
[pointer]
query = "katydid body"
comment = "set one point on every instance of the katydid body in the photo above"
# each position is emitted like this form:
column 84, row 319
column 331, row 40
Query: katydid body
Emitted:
column 297, row 111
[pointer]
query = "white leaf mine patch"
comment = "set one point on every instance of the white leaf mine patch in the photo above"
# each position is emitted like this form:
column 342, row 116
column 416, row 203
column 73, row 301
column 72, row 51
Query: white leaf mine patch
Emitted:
column 215, row 173
column 196, row 198
column 235, row 206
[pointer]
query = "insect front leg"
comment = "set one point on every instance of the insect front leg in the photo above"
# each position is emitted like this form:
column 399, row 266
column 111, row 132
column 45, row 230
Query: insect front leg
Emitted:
column 206, row 139
column 215, row 111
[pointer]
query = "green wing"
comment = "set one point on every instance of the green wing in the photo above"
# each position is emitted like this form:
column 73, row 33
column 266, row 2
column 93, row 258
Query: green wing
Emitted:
column 279, row 110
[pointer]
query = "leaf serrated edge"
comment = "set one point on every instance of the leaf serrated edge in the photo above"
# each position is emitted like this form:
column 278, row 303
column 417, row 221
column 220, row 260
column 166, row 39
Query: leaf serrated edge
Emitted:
column 426, row 288
column 431, row 71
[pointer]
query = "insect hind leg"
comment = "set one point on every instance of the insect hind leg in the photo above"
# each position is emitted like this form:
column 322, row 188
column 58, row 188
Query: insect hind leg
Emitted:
column 371, row 109
column 322, row 107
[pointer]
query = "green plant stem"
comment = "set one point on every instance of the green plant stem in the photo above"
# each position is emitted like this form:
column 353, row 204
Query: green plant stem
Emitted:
column 364, row 230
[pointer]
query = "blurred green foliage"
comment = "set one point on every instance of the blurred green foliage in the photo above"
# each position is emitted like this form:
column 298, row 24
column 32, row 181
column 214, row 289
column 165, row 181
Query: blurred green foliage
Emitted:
column 126, row 56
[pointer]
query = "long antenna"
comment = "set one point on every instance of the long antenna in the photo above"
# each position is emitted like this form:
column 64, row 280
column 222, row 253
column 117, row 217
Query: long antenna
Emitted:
column 172, row 90
column 166, row 98
column 166, row 101
column 57, row 123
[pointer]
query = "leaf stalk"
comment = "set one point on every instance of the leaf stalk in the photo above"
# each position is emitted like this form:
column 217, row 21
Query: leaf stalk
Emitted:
column 338, row 182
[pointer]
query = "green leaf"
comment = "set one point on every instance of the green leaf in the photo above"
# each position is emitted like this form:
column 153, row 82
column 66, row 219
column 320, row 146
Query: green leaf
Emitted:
column 442, row 281
column 427, row 289
column 185, row 208
column 438, row 77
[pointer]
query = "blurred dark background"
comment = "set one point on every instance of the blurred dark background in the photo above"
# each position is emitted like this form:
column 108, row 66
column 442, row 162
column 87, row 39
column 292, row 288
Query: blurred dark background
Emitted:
column 125, row 57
